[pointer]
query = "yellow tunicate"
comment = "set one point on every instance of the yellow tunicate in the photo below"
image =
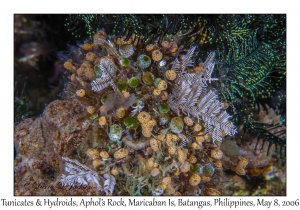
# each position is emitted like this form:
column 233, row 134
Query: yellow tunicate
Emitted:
column 243, row 162
column 177, row 172
column 146, row 133
column 169, row 137
column 147, row 126
column 155, row 172
column 104, row 154
column 154, row 144
column 197, row 127
column 195, row 145
column 150, row 163
column 162, row 85
column 69, row 66
column 90, row 56
column 171, row 75
column 96, row 162
column 205, row 179
column 81, row 71
column 199, row 139
column 156, row 92
column 114, row 171
column 152, row 122
column 192, row 159
column 164, row 95
column 181, row 155
column 93, row 153
column 174, row 137
column 194, row 180
column 160, row 137
column 87, row 46
column 102, row 121
column 121, row 153
column 126, row 94
column 240, row 170
column 216, row 153
column 218, row 164
column 89, row 73
column 207, row 137
column 120, row 112
column 185, row 167
column 188, row 121
column 149, row 47
column 212, row 192
column 156, row 55
column 91, row 109
column 169, row 142
column 172, row 150
column 143, row 117
column 166, row 180
column 165, row 44
column 80, row 93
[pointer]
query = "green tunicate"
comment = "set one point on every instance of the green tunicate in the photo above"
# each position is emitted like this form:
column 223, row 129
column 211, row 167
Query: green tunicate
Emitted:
column 148, row 78
column 133, row 82
column 126, row 50
column 122, row 84
column 156, row 81
column 115, row 132
column 197, row 169
column 144, row 61
column 176, row 125
column 131, row 123
column 163, row 108
column 98, row 71
column 125, row 62
column 208, row 170
column 104, row 98
column 164, row 119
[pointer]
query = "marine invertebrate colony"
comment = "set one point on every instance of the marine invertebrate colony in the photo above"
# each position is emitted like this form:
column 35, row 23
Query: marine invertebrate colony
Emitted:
column 137, row 119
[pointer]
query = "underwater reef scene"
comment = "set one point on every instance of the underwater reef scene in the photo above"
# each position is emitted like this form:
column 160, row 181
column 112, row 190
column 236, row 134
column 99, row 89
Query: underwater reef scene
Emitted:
column 153, row 105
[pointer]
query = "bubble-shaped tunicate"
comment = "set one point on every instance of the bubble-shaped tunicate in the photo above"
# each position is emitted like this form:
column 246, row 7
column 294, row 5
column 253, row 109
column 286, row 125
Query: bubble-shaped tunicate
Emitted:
column 144, row 61
column 163, row 108
column 126, row 50
column 157, row 81
column 122, row 84
column 133, row 82
column 115, row 132
column 131, row 122
column 104, row 98
column 125, row 62
column 176, row 125
column 158, row 191
column 164, row 119
column 197, row 168
column 162, row 63
column 208, row 170
column 148, row 78
column 98, row 71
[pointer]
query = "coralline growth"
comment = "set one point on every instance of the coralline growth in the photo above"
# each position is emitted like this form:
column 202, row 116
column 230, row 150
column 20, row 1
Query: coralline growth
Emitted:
column 147, row 119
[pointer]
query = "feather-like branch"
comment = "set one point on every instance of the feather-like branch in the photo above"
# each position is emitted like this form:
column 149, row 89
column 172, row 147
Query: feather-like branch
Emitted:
column 189, row 95
column 79, row 174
